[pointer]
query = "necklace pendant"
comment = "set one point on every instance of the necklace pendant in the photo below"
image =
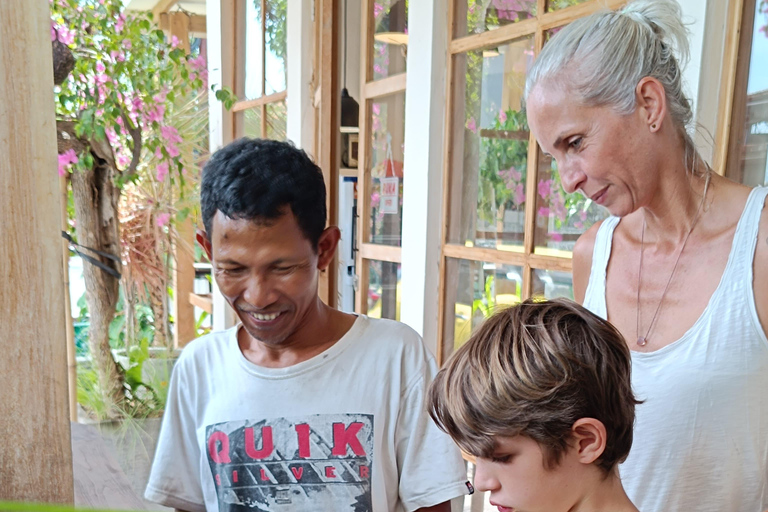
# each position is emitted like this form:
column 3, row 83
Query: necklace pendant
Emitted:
column 642, row 341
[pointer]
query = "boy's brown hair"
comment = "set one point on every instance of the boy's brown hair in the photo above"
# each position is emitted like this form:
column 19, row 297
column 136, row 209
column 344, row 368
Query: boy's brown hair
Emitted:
column 534, row 369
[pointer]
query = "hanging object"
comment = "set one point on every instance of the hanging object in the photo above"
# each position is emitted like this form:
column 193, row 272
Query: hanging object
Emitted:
column 350, row 109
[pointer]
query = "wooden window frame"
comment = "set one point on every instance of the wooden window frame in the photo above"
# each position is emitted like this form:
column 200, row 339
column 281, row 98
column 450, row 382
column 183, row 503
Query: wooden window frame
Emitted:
column 370, row 91
column 262, row 102
column 526, row 258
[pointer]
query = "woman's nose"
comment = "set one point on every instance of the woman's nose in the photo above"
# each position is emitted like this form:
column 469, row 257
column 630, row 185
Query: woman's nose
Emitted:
column 571, row 177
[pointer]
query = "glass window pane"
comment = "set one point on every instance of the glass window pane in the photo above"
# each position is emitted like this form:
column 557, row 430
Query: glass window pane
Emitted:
column 385, row 187
column 552, row 283
column 490, row 149
column 249, row 121
column 276, row 119
column 383, row 290
column 475, row 16
column 254, row 45
column 752, row 163
column 390, row 39
column 474, row 291
column 275, row 36
column 555, row 5
column 560, row 218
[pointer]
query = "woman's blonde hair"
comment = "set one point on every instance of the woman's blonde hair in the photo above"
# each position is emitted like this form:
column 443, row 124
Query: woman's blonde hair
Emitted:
column 533, row 370
column 604, row 56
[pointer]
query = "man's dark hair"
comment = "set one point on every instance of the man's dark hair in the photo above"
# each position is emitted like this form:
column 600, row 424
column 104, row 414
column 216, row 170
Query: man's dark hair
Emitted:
column 259, row 179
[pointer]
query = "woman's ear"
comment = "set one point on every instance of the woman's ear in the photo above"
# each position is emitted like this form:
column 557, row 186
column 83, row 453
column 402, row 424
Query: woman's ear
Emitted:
column 589, row 438
column 651, row 102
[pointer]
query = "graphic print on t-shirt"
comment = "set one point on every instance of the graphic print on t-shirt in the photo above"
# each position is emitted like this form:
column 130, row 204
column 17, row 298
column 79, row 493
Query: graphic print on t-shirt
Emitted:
column 318, row 462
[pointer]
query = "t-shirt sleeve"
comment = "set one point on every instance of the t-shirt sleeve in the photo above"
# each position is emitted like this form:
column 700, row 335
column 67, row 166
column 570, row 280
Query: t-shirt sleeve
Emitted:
column 432, row 470
column 174, row 480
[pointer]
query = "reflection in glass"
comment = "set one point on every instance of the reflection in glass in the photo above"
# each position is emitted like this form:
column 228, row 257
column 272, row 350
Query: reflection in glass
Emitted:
column 555, row 5
column 251, row 122
column 474, row 291
column 551, row 284
column 385, row 187
column 275, row 37
column 390, row 39
column 560, row 218
column 751, row 165
column 383, row 290
column 490, row 150
column 254, row 46
column 475, row 16
column 276, row 119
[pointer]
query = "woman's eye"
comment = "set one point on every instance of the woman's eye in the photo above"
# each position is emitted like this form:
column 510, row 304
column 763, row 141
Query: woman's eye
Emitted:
column 575, row 143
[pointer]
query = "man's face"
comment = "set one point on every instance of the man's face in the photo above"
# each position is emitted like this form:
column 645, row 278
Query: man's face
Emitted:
column 268, row 273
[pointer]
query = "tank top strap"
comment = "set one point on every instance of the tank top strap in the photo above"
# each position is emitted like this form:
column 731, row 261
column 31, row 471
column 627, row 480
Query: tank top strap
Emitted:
column 594, row 297
column 745, row 238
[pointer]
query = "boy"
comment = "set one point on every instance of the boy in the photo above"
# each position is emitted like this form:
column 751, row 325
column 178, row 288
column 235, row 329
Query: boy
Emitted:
column 541, row 396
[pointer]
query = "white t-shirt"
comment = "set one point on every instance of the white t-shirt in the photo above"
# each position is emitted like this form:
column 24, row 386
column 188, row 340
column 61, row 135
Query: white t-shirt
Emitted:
column 344, row 430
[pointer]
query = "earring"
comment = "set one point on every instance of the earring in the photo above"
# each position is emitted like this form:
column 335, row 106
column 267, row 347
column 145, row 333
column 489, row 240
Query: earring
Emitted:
column 653, row 126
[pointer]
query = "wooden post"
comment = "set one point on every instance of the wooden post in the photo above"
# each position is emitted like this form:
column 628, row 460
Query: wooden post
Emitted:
column 183, row 250
column 34, row 418
column 70, row 326
column 329, row 126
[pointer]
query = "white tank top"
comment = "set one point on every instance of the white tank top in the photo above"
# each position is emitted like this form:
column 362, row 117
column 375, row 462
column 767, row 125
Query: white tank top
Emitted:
column 701, row 436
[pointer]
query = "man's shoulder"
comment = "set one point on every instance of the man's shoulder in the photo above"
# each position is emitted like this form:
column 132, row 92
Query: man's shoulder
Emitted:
column 206, row 346
column 391, row 332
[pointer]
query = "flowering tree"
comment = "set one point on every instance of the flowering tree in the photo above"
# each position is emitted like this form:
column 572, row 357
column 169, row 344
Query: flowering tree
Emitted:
column 115, row 91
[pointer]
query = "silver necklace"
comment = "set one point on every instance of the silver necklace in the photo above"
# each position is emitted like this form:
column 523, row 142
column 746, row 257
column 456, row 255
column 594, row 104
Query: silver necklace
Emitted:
column 643, row 340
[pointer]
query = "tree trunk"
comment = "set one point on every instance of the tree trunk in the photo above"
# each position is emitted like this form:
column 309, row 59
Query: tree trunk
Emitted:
column 96, row 199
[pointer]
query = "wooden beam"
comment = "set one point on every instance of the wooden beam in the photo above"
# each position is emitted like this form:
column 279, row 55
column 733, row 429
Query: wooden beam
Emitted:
column 162, row 6
column 246, row 104
column 204, row 302
column 196, row 25
column 391, row 253
column 330, row 113
column 384, row 87
column 183, row 272
column 35, row 427
column 69, row 321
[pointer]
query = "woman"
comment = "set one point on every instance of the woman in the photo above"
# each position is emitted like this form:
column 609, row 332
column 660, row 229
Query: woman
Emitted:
column 681, row 268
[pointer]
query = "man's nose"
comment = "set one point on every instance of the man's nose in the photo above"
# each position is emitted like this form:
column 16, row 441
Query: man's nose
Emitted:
column 260, row 292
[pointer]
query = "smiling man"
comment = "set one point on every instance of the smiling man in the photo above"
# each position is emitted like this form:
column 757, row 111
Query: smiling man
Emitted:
column 300, row 407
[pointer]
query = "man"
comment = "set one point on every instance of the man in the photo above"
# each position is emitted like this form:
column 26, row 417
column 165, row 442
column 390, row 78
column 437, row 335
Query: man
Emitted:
column 300, row 407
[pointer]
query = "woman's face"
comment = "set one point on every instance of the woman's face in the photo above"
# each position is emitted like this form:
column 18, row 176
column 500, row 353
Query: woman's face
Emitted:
column 599, row 152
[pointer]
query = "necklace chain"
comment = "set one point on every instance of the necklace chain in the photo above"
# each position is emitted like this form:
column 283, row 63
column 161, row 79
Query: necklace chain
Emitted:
column 643, row 340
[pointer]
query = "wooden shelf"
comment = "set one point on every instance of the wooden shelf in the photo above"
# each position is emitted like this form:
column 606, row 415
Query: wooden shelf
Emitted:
column 204, row 302
column 348, row 172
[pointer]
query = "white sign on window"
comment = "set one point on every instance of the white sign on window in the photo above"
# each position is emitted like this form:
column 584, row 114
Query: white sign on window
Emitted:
column 390, row 201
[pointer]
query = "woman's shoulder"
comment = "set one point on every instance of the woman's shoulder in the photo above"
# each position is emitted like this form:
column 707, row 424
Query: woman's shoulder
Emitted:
column 582, row 260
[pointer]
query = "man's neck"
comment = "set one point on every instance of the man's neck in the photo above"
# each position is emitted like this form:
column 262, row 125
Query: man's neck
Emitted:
column 319, row 332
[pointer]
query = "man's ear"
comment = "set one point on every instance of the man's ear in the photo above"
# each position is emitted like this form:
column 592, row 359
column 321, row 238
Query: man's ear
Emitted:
column 205, row 243
column 589, row 437
column 326, row 246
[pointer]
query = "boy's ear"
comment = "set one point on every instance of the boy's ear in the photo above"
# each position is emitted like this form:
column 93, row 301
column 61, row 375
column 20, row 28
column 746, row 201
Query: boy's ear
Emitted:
column 589, row 438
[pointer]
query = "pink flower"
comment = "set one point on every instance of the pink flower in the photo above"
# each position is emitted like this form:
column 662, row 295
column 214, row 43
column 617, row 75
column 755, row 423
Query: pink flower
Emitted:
column 162, row 219
column 545, row 188
column 375, row 198
column 66, row 159
column 556, row 237
column 162, row 171
column 53, row 32
column 172, row 150
column 543, row 211
column 159, row 153
column 100, row 67
column 519, row 197
column 502, row 117
column 66, row 36
column 120, row 23
column 583, row 215
column 170, row 134
column 156, row 114
column 174, row 41
column 472, row 125
column 117, row 56
column 123, row 160
column 127, row 44
column 198, row 63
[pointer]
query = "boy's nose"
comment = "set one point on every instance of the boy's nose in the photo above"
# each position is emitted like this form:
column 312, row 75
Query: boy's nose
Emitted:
column 484, row 477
